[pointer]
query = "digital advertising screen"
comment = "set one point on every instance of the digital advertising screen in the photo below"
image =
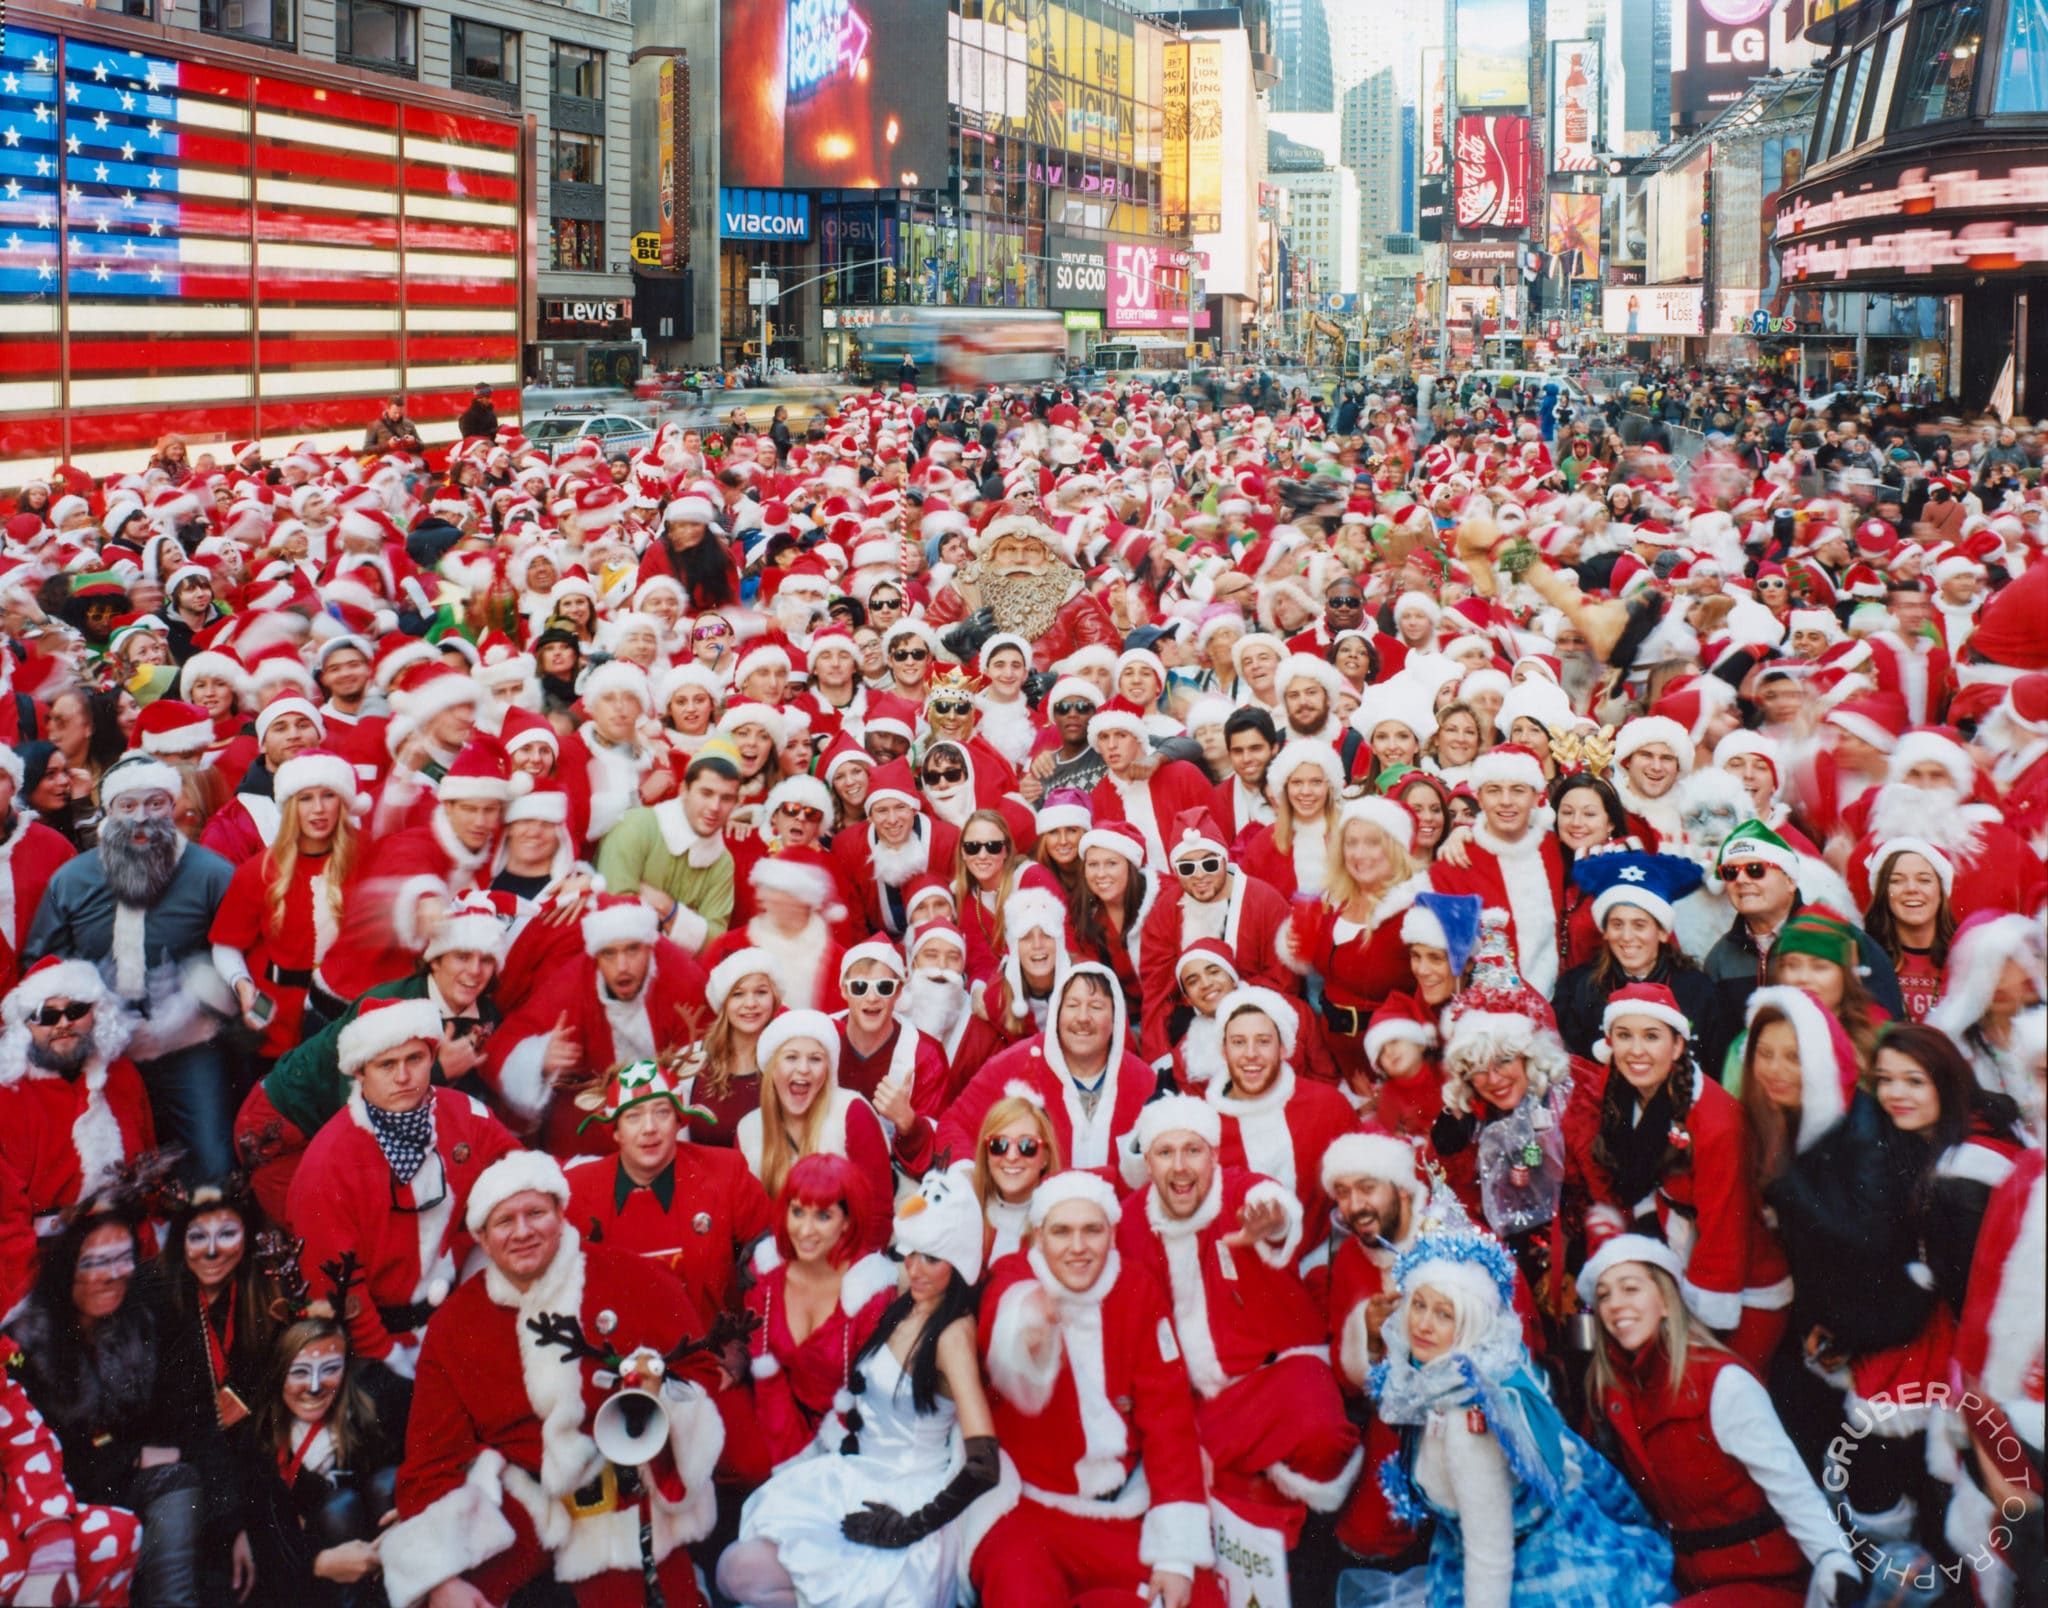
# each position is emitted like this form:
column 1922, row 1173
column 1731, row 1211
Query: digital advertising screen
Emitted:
column 1653, row 310
column 832, row 94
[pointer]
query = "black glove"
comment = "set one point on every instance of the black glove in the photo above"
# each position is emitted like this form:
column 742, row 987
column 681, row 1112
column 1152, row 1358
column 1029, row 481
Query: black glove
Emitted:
column 1037, row 683
column 964, row 641
column 879, row 1525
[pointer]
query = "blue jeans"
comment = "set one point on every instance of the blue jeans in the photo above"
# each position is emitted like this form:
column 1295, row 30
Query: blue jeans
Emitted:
column 189, row 1097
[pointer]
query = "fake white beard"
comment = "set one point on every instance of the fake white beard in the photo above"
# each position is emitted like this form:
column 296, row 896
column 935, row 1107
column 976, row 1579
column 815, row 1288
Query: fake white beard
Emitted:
column 1933, row 813
column 951, row 804
column 895, row 867
column 934, row 1001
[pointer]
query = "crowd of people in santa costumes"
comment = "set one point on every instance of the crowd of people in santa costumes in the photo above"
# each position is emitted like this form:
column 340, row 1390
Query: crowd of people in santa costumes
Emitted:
column 1142, row 1001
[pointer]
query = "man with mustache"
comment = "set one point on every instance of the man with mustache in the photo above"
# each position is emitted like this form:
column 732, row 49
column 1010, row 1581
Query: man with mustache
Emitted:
column 139, row 909
column 72, row 1106
column 1020, row 586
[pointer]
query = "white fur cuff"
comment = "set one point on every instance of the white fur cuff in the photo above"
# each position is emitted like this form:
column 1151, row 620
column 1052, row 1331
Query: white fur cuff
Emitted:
column 461, row 1531
column 1176, row 1538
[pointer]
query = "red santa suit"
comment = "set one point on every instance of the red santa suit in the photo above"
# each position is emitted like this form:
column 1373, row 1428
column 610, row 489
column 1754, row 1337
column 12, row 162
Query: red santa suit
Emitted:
column 1248, row 919
column 380, row 938
column 499, row 1441
column 851, row 1129
column 1239, row 810
column 806, row 967
column 1036, row 1070
column 795, row 1381
column 1102, row 1468
column 1283, row 1133
column 29, row 857
column 696, row 1219
column 663, row 1017
column 880, row 874
column 408, row 1237
column 280, row 947
column 64, row 1137
column 1268, row 1409
column 242, row 828
column 1359, row 966
column 36, row 1497
column 1917, row 670
column 603, row 779
column 1526, row 879
column 906, row 1054
column 1154, row 805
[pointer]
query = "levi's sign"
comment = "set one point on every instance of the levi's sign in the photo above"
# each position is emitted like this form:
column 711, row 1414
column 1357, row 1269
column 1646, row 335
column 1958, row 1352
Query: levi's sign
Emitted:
column 764, row 215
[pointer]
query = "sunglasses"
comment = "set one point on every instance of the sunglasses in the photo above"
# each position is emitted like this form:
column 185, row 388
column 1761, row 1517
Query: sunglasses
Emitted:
column 875, row 603
column 1027, row 1148
column 911, row 655
column 1775, row 586
column 950, row 706
column 51, row 1015
column 704, row 633
column 985, row 846
column 1207, row 866
column 1073, row 706
column 881, row 987
column 1343, row 602
column 944, row 778
column 1755, row 870
column 804, row 812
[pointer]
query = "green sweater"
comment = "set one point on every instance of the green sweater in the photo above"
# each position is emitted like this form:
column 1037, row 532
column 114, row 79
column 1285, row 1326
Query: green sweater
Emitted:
column 654, row 844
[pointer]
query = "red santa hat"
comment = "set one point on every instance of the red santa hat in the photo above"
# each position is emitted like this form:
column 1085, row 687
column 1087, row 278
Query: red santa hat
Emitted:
column 1178, row 1113
column 1743, row 741
column 170, row 726
column 1384, row 1156
column 480, row 771
column 1118, row 837
column 802, row 873
column 1062, row 1188
column 891, row 716
column 932, row 930
column 1511, row 762
column 1400, row 1019
column 793, row 1025
column 1264, row 1002
column 1194, row 830
column 726, row 975
column 1644, row 730
column 277, row 708
column 380, row 1026
column 618, row 675
column 618, row 919
column 316, row 767
column 1941, row 747
column 1879, row 718
column 523, row 726
column 893, row 781
column 1118, row 714
column 1651, row 1000
column 1937, row 860
column 139, row 776
column 1627, row 1248
column 801, row 792
column 477, row 923
column 515, row 1174
column 50, row 978
column 1390, row 815
column 873, row 950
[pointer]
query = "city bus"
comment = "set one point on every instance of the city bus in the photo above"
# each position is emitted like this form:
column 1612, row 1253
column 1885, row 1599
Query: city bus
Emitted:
column 966, row 348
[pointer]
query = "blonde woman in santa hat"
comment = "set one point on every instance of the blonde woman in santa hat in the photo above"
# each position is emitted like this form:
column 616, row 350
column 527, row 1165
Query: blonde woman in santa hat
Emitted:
column 1292, row 855
column 1350, row 936
column 804, row 1111
column 1014, row 1153
column 870, row 1518
column 282, row 908
column 721, row 1072
column 1699, row 1438
column 1839, row 1179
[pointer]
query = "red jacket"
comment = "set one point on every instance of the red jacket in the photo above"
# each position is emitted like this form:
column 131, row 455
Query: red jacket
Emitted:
column 716, row 1209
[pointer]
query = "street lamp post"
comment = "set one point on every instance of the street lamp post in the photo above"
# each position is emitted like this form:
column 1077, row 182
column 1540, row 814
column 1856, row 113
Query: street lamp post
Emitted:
column 764, row 295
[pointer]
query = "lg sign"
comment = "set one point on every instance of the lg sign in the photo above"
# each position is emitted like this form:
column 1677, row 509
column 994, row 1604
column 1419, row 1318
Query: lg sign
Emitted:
column 1723, row 45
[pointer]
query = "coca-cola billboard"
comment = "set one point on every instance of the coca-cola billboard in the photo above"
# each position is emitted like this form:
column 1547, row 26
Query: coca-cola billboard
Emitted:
column 1492, row 173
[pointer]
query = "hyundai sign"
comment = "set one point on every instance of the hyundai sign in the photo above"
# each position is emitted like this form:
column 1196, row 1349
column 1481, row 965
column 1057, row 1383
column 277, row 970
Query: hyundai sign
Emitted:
column 764, row 215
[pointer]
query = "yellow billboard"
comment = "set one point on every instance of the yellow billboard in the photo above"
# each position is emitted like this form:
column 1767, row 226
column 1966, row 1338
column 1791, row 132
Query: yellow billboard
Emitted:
column 1173, row 167
column 1205, row 136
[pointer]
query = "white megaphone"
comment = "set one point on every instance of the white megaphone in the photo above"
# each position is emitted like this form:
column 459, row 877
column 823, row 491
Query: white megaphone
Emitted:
column 632, row 1426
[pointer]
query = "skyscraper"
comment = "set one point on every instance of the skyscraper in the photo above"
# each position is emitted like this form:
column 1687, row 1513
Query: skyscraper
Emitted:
column 1301, row 39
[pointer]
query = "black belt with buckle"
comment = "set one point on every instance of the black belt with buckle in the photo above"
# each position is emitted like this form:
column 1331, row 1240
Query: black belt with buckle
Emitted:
column 286, row 977
column 1758, row 1524
column 1343, row 1018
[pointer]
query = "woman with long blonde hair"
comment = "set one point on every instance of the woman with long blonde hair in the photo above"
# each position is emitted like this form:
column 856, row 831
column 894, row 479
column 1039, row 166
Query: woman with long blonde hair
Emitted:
column 1351, row 936
column 282, row 909
column 804, row 1112
column 1014, row 1153
column 722, row 1070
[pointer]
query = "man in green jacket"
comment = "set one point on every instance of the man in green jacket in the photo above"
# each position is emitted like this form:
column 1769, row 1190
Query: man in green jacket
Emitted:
column 673, row 854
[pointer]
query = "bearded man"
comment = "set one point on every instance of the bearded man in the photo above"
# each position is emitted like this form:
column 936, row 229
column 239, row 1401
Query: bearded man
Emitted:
column 139, row 908
column 1019, row 585
column 936, row 1002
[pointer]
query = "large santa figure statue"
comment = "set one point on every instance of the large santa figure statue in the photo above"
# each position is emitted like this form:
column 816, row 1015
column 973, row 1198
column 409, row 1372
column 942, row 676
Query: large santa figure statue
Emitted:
column 1020, row 586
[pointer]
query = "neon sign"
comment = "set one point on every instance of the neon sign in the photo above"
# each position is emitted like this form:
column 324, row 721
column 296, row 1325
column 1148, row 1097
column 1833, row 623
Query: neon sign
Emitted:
column 827, row 39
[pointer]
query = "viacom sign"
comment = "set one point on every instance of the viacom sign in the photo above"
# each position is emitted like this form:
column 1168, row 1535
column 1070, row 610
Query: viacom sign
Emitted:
column 764, row 215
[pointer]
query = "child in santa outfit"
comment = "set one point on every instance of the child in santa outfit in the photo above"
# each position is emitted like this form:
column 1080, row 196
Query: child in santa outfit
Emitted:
column 1222, row 1242
column 387, row 1177
column 502, row 1480
column 1102, row 1489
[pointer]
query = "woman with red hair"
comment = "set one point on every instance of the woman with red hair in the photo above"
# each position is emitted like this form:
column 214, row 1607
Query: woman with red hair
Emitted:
column 817, row 1298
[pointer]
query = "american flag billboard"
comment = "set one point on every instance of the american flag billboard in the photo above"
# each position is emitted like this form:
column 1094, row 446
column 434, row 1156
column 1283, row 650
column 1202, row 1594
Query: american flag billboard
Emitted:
column 229, row 254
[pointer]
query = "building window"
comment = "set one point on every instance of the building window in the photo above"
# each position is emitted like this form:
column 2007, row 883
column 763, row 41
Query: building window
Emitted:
column 2023, row 75
column 264, row 22
column 484, row 60
column 145, row 9
column 373, row 33
column 579, row 159
column 579, row 245
column 578, row 74
column 1942, row 65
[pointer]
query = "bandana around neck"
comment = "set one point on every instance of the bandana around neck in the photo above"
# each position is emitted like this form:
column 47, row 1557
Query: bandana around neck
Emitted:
column 404, row 1137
